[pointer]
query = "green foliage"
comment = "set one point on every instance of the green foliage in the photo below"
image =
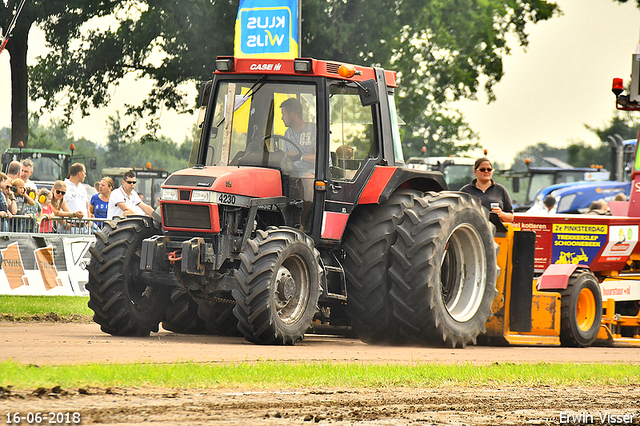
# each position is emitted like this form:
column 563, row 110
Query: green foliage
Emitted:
column 442, row 141
column 579, row 154
column 583, row 155
column 441, row 51
column 5, row 138
column 624, row 1
column 536, row 153
column 622, row 123
column 62, row 22
column 188, row 35
column 125, row 150
column 122, row 150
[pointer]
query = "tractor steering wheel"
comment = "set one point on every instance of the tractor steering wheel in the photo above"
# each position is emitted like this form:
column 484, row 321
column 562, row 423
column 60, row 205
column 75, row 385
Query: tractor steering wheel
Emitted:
column 286, row 139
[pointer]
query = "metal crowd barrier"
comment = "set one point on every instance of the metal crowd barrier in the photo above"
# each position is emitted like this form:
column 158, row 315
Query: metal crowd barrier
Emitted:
column 55, row 225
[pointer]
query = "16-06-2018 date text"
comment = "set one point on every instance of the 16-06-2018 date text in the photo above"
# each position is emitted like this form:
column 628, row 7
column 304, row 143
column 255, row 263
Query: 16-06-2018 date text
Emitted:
column 48, row 418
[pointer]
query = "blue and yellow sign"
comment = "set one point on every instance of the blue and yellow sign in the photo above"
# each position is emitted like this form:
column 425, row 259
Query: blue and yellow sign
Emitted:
column 577, row 243
column 267, row 29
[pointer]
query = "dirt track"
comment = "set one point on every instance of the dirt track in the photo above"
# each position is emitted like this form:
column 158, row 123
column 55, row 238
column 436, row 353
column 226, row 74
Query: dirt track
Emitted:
column 50, row 343
column 80, row 343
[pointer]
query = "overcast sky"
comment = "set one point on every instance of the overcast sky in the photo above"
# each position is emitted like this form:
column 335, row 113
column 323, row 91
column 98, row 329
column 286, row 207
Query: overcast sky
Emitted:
column 548, row 93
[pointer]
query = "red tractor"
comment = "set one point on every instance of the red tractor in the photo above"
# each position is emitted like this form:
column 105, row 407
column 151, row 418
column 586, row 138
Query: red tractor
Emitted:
column 281, row 224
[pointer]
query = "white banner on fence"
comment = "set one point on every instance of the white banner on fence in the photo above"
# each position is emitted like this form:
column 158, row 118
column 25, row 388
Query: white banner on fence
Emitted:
column 44, row 264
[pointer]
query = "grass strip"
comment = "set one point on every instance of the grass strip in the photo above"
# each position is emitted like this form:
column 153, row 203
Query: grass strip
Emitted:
column 25, row 307
column 270, row 375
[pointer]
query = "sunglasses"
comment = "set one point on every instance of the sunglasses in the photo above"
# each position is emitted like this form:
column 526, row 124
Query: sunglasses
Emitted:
column 483, row 170
column 131, row 182
column 60, row 192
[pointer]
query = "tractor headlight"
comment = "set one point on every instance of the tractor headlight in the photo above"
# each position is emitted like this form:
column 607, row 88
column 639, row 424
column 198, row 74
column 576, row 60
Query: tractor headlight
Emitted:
column 203, row 196
column 169, row 194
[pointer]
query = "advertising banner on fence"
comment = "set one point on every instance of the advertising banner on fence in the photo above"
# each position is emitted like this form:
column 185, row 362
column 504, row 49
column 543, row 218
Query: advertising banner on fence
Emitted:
column 267, row 29
column 44, row 264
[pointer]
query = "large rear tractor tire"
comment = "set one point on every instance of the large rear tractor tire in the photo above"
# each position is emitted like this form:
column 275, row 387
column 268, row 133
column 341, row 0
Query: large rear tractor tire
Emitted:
column 278, row 286
column 218, row 315
column 581, row 310
column 443, row 270
column 182, row 315
column 368, row 238
column 124, row 302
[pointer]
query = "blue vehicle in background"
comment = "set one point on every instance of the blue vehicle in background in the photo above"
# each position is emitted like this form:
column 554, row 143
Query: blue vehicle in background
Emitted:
column 524, row 186
column 576, row 197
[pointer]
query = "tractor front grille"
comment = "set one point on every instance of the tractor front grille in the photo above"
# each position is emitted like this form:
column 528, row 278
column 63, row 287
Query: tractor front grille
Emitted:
column 186, row 216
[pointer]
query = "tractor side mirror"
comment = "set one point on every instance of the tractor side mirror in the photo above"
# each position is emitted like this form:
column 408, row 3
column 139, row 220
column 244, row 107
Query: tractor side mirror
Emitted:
column 368, row 92
column 93, row 163
column 516, row 184
column 6, row 158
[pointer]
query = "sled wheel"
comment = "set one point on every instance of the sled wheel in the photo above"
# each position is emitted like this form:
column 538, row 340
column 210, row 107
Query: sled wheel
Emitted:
column 581, row 311
column 278, row 286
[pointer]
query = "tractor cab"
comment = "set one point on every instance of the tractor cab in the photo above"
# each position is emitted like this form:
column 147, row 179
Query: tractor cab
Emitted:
column 315, row 122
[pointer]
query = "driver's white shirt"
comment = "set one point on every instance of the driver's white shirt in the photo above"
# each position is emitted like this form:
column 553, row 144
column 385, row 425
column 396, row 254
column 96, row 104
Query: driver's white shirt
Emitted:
column 120, row 196
column 76, row 197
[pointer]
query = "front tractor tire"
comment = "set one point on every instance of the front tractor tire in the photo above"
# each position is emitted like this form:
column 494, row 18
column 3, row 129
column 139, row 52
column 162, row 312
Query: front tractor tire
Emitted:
column 277, row 286
column 581, row 310
column 123, row 301
column 444, row 270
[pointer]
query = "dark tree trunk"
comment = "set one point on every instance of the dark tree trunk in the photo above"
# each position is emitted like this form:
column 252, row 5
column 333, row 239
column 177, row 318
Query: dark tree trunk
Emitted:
column 17, row 48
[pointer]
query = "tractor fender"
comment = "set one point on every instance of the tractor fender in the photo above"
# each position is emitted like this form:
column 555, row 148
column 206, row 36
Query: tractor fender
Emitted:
column 386, row 179
column 556, row 276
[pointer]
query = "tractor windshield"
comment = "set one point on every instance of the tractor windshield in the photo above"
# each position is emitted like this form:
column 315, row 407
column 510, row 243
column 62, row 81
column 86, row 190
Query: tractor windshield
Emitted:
column 265, row 124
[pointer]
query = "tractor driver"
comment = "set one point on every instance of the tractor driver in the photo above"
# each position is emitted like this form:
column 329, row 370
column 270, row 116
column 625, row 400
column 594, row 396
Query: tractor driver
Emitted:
column 300, row 132
column 304, row 135
column 492, row 195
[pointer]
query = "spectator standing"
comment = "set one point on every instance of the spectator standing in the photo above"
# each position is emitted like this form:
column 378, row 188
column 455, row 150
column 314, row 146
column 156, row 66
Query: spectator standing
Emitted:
column 23, row 201
column 493, row 196
column 60, row 207
column 7, row 199
column 14, row 170
column 99, row 204
column 7, row 202
column 125, row 201
column 25, row 206
column 44, row 199
column 76, row 194
column 25, row 174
